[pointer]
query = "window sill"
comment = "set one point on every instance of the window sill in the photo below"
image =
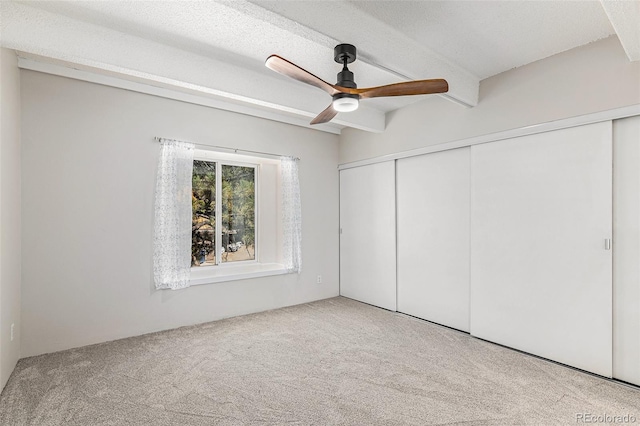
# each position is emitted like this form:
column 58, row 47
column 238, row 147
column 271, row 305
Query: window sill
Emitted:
column 216, row 274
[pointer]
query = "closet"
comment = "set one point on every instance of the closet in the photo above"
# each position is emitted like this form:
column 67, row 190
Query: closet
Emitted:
column 368, row 234
column 433, row 237
column 531, row 242
column 541, row 273
column 626, row 246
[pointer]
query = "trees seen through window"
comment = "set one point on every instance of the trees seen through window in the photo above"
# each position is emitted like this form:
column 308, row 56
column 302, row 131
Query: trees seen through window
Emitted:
column 236, row 224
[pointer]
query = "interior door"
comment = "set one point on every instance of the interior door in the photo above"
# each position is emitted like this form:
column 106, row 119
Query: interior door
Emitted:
column 541, row 264
column 433, row 237
column 368, row 234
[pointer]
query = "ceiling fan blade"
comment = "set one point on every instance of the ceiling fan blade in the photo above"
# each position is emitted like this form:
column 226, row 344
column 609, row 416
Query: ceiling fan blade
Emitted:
column 418, row 87
column 325, row 116
column 284, row 67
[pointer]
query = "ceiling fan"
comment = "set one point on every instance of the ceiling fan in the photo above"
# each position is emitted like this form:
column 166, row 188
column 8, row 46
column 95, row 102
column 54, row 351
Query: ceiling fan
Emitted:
column 345, row 93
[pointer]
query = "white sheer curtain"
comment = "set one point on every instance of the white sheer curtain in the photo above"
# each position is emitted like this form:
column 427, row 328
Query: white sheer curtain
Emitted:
column 292, row 214
column 172, row 233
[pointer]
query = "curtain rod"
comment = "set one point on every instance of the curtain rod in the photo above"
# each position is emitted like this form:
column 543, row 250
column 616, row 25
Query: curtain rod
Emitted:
column 235, row 150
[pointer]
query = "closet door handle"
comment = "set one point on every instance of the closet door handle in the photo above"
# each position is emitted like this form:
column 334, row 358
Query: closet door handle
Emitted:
column 607, row 243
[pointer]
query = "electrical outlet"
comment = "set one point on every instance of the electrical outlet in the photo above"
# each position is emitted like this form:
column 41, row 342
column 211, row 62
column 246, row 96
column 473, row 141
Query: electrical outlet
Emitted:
column 319, row 279
column 12, row 327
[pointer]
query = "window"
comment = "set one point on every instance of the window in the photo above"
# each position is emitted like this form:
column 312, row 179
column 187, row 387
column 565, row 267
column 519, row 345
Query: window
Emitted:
column 241, row 223
column 223, row 212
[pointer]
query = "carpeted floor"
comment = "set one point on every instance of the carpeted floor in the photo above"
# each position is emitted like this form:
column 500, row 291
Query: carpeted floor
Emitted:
column 332, row 362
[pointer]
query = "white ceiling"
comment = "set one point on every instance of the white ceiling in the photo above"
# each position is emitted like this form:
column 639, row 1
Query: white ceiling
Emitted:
column 487, row 40
column 216, row 49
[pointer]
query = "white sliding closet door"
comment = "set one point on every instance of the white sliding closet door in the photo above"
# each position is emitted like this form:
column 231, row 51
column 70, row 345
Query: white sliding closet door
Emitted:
column 368, row 234
column 626, row 236
column 433, row 237
column 541, row 279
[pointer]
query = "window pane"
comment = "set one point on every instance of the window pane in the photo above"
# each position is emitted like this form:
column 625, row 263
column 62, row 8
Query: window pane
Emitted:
column 238, row 213
column 203, row 225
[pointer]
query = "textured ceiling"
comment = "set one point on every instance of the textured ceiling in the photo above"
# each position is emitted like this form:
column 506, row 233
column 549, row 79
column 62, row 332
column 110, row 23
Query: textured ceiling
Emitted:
column 219, row 47
column 487, row 38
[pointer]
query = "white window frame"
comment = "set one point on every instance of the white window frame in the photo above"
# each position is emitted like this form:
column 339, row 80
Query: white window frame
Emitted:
column 247, row 269
column 200, row 156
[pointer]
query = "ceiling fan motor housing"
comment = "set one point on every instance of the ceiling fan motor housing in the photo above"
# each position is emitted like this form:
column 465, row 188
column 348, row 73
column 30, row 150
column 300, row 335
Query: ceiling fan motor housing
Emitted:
column 345, row 95
column 345, row 54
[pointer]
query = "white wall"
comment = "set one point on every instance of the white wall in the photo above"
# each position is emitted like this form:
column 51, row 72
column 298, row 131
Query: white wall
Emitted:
column 9, row 213
column 591, row 78
column 88, row 171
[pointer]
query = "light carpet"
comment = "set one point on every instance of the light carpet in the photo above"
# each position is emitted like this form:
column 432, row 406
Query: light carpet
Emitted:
column 331, row 362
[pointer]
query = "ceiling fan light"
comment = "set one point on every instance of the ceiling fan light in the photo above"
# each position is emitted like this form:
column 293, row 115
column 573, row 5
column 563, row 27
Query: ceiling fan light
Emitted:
column 346, row 104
